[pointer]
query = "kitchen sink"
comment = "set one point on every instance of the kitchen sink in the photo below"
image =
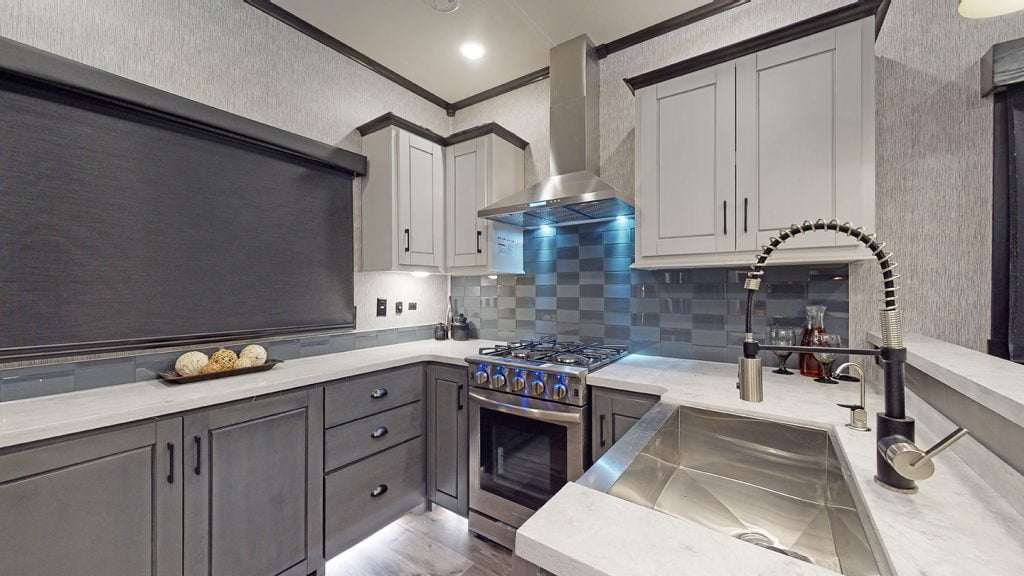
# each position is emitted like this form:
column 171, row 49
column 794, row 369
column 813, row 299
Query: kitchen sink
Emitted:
column 772, row 484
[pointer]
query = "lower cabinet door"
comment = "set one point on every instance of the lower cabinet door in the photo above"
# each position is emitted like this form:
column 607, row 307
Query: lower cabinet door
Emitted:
column 94, row 506
column 448, row 438
column 613, row 413
column 362, row 498
column 249, row 495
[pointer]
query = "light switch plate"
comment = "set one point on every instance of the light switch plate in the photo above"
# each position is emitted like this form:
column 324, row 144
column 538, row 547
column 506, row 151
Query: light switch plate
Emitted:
column 382, row 307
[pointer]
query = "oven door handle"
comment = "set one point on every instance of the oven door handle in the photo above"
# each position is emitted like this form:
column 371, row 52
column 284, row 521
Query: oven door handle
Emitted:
column 546, row 415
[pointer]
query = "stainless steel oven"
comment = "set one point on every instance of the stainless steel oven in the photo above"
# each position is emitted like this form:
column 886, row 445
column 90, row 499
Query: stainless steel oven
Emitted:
column 522, row 451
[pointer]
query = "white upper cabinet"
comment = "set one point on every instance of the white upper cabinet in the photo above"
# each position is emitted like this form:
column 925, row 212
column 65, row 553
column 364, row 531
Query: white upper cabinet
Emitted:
column 478, row 172
column 402, row 202
column 729, row 155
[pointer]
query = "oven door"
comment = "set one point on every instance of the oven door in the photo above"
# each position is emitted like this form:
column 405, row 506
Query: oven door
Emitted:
column 522, row 451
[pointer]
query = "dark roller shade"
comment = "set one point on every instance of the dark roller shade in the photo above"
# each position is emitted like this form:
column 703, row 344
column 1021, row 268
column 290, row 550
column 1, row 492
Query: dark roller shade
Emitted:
column 122, row 229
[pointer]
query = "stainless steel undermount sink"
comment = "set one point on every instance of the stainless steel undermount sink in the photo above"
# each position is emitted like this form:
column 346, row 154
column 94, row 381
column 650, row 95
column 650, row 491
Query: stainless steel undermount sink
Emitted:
column 776, row 485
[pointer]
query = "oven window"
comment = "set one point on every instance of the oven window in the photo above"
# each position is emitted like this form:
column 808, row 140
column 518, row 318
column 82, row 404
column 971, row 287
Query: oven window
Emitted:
column 521, row 459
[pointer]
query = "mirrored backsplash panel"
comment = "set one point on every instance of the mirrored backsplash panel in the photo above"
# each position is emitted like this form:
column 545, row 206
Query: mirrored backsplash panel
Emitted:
column 578, row 285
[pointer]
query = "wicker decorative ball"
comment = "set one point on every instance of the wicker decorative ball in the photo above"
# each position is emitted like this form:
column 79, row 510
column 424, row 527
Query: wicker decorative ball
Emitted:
column 190, row 363
column 224, row 357
column 256, row 352
column 212, row 367
column 245, row 362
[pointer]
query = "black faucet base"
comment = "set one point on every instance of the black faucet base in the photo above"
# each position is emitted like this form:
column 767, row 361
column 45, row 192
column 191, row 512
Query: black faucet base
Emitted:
column 886, row 475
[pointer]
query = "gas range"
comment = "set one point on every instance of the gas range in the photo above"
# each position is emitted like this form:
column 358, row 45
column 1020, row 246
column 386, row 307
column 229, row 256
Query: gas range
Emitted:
column 542, row 369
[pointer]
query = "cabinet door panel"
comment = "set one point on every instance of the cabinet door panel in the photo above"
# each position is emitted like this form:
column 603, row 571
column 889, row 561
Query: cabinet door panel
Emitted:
column 448, row 438
column 614, row 413
column 99, row 505
column 467, row 189
column 419, row 195
column 687, row 164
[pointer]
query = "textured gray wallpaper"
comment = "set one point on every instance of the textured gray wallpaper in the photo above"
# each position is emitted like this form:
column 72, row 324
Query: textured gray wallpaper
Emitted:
column 229, row 55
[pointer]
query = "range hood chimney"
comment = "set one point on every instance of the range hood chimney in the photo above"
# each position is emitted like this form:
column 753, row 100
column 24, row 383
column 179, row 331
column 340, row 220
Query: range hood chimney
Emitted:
column 574, row 193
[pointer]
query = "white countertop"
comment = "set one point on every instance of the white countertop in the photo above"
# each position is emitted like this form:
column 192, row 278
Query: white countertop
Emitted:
column 33, row 419
column 992, row 382
column 956, row 525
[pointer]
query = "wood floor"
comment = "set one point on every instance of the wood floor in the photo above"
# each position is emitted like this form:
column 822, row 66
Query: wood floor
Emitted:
column 435, row 543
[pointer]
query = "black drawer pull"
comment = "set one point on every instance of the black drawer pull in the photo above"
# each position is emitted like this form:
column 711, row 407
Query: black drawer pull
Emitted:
column 725, row 217
column 459, row 393
column 746, row 202
column 602, row 430
column 383, row 430
column 199, row 454
column 478, row 250
column 170, row 457
column 379, row 393
column 407, row 245
column 379, row 490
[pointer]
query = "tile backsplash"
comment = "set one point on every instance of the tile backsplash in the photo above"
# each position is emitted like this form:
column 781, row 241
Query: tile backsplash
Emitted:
column 578, row 285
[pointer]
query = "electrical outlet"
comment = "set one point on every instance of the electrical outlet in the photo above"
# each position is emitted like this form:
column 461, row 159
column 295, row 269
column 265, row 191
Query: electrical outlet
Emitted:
column 412, row 305
column 382, row 307
column 398, row 307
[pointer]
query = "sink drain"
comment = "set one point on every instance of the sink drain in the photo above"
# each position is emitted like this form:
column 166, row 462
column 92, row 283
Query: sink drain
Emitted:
column 767, row 542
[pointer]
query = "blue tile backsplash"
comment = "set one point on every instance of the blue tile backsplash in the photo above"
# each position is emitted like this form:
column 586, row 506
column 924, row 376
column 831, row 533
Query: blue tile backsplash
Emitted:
column 579, row 285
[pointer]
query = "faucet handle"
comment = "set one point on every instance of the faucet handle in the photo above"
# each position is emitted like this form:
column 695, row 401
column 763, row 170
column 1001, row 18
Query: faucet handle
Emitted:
column 910, row 461
column 858, row 417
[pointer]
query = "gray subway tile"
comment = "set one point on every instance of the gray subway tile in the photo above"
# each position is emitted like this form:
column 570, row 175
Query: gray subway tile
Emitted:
column 365, row 340
column 99, row 373
column 147, row 365
column 314, row 346
column 343, row 343
column 33, row 381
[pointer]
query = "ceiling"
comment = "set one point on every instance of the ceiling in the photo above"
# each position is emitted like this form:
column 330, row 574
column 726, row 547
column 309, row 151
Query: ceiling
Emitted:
column 423, row 45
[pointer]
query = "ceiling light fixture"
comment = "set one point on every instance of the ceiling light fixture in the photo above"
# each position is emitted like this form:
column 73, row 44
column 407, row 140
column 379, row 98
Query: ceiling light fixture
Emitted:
column 988, row 8
column 442, row 6
column 472, row 50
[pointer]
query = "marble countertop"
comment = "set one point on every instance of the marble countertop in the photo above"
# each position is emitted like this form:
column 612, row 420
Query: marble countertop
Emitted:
column 992, row 382
column 33, row 419
column 956, row 525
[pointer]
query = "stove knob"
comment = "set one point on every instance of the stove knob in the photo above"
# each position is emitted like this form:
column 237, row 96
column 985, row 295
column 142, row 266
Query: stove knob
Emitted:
column 480, row 376
column 518, row 383
column 537, row 387
column 498, row 381
column 559, row 391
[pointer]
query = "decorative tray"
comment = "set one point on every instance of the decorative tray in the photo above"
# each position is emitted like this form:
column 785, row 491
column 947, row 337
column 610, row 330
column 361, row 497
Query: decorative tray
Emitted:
column 172, row 376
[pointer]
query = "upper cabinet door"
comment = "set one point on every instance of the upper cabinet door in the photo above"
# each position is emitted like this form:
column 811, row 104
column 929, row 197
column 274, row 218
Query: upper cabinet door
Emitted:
column 420, row 200
column 804, row 143
column 686, row 195
column 467, row 193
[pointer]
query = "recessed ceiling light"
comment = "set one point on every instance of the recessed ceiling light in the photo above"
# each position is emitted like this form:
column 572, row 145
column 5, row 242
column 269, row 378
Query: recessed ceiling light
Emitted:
column 442, row 6
column 472, row 50
column 988, row 8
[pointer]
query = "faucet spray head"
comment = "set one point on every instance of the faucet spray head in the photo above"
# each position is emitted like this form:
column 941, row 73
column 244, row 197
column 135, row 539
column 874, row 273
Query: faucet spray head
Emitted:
column 750, row 381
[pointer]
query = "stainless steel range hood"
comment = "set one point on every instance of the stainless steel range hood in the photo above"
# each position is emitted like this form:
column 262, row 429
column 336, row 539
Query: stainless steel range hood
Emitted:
column 575, row 193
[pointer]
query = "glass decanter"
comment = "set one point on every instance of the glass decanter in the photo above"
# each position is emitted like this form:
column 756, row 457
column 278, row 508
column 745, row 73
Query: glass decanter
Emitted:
column 815, row 325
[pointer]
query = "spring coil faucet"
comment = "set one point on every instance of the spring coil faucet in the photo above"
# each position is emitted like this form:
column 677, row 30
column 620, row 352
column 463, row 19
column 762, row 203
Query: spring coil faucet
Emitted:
column 899, row 462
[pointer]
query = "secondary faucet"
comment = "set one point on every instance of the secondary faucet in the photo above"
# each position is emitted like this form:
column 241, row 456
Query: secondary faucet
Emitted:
column 858, row 412
column 899, row 463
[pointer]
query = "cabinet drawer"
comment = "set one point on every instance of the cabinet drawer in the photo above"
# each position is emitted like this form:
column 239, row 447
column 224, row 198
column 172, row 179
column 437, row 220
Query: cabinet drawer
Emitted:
column 363, row 498
column 361, row 396
column 350, row 442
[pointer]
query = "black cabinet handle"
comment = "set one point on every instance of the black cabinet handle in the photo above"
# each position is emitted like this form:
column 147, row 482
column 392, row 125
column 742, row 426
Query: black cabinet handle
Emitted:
column 725, row 216
column 170, row 459
column 746, row 202
column 379, row 490
column 379, row 393
column 199, row 454
column 406, row 239
column 383, row 430
column 602, row 430
column 460, row 406
column 478, row 235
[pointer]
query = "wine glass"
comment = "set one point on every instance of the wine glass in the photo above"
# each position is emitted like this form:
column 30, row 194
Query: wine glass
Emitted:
column 781, row 336
column 826, row 359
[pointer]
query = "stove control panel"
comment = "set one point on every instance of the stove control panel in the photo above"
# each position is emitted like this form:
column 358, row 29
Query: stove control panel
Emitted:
column 533, row 382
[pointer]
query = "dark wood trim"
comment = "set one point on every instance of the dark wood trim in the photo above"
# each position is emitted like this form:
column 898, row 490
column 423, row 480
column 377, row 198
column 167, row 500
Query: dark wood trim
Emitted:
column 390, row 119
column 484, row 129
column 275, row 11
column 37, row 66
column 515, row 84
column 665, row 26
column 1001, row 66
column 795, row 31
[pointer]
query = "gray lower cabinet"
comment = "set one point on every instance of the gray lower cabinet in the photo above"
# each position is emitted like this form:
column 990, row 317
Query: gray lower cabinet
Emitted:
column 252, row 498
column 97, row 505
column 448, row 437
column 612, row 414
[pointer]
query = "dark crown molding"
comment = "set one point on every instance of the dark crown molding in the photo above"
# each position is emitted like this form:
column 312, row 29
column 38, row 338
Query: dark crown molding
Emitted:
column 267, row 6
column 795, row 31
column 23, row 61
column 390, row 119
